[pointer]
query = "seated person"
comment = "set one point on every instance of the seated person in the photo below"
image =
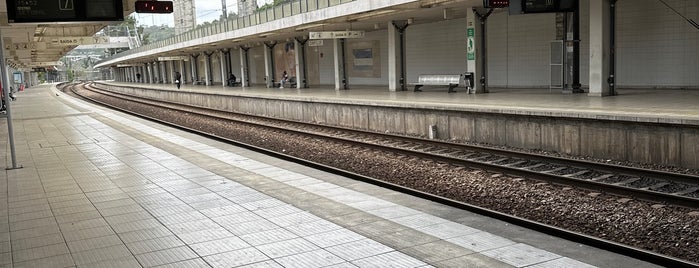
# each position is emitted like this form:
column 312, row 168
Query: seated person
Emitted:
column 285, row 78
column 231, row 79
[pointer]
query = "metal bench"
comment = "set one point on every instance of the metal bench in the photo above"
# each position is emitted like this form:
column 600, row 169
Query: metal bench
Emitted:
column 450, row 80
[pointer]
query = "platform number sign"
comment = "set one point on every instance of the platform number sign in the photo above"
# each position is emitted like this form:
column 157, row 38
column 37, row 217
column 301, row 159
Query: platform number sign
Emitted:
column 66, row 5
column 471, row 43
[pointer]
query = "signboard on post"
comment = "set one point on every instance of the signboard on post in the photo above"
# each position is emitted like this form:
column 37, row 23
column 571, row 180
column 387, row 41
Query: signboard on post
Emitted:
column 184, row 58
column 471, row 43
column 17, row 77
column 79, row 40
column 336, row 35
column 31, row 11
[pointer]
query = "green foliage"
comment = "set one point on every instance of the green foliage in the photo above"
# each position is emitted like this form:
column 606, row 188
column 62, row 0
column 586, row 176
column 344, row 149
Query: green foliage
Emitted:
column 154, row 33
column 271, row 5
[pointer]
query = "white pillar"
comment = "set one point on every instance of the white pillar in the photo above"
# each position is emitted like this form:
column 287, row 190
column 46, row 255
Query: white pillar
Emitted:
column 193, row 67
column 298, row 47
column 224, row 70
column 243, row 68
column 171, row 67
column 337, row 55
column 393, row 57
column 151, row 74
column 269, row 78
column 163, row 71
column 599, row 47
column 474, row 52
column 182, row 70
column 207, row 68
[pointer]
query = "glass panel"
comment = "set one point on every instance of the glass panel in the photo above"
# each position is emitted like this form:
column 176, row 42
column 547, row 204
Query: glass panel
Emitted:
column 334, row 2
column 278, row 11
column 312, row 4
column 322, row 4
column 286, row 10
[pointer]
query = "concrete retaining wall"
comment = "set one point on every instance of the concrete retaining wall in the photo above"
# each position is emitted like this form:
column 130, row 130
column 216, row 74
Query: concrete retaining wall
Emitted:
column 614, row 139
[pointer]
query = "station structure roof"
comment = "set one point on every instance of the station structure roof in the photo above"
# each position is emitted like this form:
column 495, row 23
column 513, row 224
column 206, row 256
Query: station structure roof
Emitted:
column 33, row 44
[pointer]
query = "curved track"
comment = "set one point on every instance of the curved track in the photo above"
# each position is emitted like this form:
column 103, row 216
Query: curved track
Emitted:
column 652, row 185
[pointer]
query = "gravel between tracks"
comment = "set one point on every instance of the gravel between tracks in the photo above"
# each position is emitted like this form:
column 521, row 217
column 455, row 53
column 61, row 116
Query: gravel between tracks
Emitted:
column 664, row 229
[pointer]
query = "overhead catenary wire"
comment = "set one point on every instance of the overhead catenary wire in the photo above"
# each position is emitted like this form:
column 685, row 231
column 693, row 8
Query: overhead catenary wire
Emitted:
column 691, row 21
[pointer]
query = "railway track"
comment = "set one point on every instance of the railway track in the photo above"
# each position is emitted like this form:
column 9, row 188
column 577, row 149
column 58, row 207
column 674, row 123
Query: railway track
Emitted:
column 657, row 186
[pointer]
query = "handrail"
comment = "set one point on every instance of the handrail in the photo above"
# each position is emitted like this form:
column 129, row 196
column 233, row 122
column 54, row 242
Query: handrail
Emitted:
column 235, row 23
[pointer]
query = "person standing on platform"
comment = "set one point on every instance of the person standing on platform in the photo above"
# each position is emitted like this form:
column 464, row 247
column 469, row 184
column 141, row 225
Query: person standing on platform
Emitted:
column 178, row 79
column 285, row 77
column 138, row 77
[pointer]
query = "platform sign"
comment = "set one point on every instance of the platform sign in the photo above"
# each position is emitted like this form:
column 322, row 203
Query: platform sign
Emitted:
column 315, row 43
column 32, row 11
column 471, row 43
column 336, row 35
column 184, row 58
column 79, row 40
column 17, row 77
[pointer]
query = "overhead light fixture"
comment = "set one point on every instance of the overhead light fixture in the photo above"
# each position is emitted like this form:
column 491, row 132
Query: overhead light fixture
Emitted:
column 370, row 14
column 309, row 26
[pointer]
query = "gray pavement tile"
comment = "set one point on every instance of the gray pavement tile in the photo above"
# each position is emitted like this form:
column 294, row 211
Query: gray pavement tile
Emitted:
column 120, row 210
column 418, row 220
column 403, row 238
column 101, row 254
column 358, row 249
column 128, row 217
column 520, row 255
column 371, row 204
column 263, row 264
column 5, row 247
column 316, row 258
column 155, row 244
column 447, row 230
column 64, row 260
column 87, row 233
column 124, row 262
column 269, row 236
column 193, row 226
column 219, row 246
column 34, row 232
column 277, row 211
column 170, row 210
column 30, row 216
column 312, row 228
column 287, row 247
column 35, row 223
column 166, row 256
column 250, row 227
column 237, row 218
column 39, row 252
column 236, row 258
column 477, row 261
column 145, row 234
column 481, row 241
column 295, row 219
column 212, row 204
column 66, row 198
column 390, row 259
column 205, row 235
column 394, row 212
column 93, row 214
column 94, row 243
column 85, row 224
column 335, row 237
column 187, row 216
column 199, row 198
column 135, row 225
column 193, row 263
column 561, row 262
column 73, row 209
column 114, row 203
column 191, row 191
column 72, row 203
column 222, row 211
column 436, row 251
column 263, row 204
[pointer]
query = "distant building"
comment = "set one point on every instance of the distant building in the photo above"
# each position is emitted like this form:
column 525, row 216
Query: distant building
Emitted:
column 246, row 7
column 185, row 15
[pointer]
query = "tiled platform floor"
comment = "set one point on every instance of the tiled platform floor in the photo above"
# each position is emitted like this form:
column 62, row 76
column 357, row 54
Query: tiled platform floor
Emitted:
column 103, row 189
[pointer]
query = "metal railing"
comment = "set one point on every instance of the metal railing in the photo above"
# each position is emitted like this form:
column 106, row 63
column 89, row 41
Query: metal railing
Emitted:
column 235, row 23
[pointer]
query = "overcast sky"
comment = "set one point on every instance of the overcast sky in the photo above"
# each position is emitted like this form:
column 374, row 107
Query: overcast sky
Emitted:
column 207, row 10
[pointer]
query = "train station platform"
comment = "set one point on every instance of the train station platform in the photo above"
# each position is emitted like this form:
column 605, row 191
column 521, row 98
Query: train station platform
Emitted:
column 99, row 188
column 641, row 105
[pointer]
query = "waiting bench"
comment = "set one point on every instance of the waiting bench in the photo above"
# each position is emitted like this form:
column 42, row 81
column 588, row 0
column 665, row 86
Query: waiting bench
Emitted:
column 450, row 80
column 291, row 82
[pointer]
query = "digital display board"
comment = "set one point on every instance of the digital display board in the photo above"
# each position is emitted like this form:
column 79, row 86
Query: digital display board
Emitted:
column 545, row 6
column 31, row 11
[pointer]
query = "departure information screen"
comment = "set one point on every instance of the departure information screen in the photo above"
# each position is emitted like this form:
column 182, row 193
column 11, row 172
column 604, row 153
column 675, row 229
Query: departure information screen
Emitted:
column 19, row 11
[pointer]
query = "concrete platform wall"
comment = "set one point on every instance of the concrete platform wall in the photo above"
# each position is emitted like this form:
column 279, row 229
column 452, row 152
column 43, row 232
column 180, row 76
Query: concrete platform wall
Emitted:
column 615, row 139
